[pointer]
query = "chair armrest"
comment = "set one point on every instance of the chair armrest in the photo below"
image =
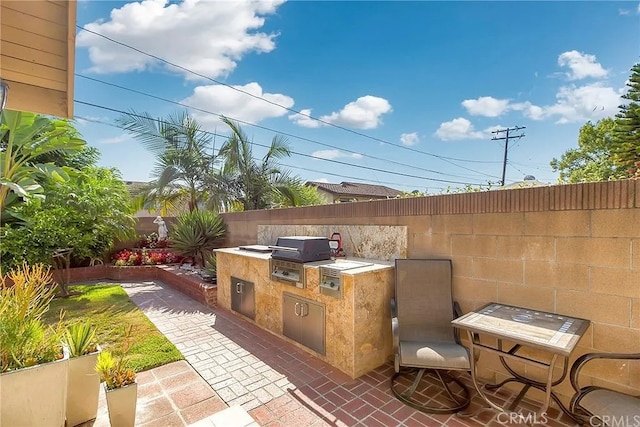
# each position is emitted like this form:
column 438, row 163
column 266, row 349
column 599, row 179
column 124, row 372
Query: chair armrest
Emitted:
column 585, row 358
column 394, row 326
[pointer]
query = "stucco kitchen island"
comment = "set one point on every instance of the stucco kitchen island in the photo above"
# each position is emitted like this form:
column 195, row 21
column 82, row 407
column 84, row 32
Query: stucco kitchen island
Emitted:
column 349, row 326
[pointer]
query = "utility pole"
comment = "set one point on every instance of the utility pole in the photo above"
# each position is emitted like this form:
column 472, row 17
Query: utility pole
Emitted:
column 506, row 144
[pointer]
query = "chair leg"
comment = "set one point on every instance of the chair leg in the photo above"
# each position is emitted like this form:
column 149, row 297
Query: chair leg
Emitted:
column 452, row 396
column 405, row 397
column 413, row 387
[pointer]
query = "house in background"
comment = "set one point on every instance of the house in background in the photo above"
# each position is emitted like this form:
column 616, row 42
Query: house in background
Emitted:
column 37, row 55
column 353, row 191
column 527, row 182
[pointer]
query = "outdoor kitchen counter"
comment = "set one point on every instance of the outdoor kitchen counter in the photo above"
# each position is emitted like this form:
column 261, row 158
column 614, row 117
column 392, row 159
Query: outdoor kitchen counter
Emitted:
column 357, row 326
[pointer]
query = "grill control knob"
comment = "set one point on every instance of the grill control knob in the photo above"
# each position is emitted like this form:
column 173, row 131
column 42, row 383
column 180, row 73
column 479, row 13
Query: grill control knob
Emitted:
column 333, row 285
column 285, row 273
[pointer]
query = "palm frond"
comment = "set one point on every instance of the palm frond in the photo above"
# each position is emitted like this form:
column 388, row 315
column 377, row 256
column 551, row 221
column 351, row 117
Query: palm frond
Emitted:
column 153, row 134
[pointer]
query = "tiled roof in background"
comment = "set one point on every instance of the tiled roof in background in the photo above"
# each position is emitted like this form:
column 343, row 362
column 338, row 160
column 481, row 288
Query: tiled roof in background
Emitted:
column 356, row 189
column 135, row 187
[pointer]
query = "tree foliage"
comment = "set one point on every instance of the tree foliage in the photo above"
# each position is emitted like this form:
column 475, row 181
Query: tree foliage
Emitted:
column 28, row 144
column 626, row 152
column 592, row 160
column 610, row 148
column 87, row 213
column 188, row 173
column 184, row 159
column 260, row 183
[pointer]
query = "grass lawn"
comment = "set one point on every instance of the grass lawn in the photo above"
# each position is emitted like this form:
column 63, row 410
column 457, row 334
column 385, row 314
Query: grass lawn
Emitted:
column 109, row 309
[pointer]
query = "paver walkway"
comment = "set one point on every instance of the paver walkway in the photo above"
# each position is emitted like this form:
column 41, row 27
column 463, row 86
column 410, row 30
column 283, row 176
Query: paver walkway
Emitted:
column 279, row 384
column 170, row 395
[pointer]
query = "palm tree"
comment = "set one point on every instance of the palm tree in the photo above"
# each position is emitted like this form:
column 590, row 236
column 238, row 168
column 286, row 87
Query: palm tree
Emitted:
column 184, row 159
column 26, row 140
column 255, row 184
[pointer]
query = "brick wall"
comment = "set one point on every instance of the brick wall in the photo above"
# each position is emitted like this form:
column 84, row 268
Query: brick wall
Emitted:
column 569, row 249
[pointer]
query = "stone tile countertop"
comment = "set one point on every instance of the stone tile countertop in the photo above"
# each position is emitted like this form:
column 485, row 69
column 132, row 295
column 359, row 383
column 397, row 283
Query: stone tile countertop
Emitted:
column 350, row 264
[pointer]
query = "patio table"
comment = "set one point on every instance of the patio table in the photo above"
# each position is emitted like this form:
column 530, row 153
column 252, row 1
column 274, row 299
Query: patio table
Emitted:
column 555, row 334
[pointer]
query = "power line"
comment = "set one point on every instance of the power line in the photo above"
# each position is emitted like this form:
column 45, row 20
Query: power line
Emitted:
column 88, row 119
column 292, row 152
column 274, row 130
column 180, row 67
column 516, row 168
column 506, row 144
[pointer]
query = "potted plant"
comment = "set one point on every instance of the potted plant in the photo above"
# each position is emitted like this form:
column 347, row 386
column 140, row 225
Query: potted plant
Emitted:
column 33, row 360
column 83, row 382
column 120, row 387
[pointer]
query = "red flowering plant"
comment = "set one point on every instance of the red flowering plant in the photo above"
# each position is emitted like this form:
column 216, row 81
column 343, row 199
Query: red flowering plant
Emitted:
column 127, row 257
column 152, row 241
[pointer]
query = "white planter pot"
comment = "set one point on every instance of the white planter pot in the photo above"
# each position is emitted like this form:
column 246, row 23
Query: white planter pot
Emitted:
column 121, row 403
column 35, row 396
column 83, row 389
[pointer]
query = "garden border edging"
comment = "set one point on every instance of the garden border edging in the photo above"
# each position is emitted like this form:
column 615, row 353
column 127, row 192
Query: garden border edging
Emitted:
column 203, row 292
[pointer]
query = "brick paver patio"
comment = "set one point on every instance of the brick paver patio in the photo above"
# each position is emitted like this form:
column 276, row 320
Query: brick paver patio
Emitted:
column 280, row 384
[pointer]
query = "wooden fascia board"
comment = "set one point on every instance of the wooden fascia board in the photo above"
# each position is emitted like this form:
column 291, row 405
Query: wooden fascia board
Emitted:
column 72, row 7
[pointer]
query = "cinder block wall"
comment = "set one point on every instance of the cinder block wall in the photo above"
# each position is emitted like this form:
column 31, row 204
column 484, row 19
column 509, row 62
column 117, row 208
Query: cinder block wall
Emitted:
column 570, row 249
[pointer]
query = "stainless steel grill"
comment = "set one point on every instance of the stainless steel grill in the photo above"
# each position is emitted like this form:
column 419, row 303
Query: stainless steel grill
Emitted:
column 301, row 249
column 290, row 253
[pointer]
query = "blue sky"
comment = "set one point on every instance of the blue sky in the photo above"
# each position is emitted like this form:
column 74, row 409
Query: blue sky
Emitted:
column 407, row 92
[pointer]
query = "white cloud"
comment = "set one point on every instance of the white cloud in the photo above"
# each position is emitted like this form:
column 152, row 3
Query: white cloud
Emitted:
column 638, row 9
column 492, row 129
column 624, row 11
column 529, row 110
column 409, row 138
column 458, row 129
column 325, row 180
column 582, row 65
column 208, row 37
column 303, row 120
column 579, row 103
column 486, row 106
column 115, row 139
column 235, row 105
column 363, row 113
column 576, row 104
column 573, row 103
column 334, row 154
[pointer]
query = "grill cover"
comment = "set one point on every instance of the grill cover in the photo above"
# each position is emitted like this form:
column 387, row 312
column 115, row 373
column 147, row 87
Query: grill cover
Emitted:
column 303, row 249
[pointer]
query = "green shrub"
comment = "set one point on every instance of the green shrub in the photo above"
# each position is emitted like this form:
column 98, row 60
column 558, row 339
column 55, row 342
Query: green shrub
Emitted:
column 196, row 233
column 211, row 264
column 88, row 213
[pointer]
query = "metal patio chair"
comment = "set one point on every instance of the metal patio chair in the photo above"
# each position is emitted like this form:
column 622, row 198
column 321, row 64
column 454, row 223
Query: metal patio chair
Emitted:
column 592, row 404
column 423, row 338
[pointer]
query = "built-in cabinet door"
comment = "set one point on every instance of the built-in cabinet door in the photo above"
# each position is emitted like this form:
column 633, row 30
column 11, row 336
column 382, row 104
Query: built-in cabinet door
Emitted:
column 303, row 321
column 243, row 298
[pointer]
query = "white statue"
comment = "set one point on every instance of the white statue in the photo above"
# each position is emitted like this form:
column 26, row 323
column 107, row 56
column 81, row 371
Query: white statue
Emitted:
column 162, row 228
